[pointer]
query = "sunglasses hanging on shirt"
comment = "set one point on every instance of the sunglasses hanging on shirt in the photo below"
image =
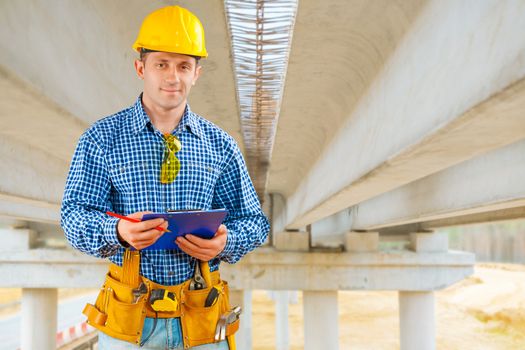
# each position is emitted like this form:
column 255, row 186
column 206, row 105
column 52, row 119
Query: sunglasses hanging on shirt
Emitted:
column 170, row 164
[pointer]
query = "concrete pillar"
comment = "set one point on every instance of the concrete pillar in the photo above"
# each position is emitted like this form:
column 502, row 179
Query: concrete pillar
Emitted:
column 321, row 321
column 417, row 321
column 39, row 318
column 243, row 337
column 282, row 332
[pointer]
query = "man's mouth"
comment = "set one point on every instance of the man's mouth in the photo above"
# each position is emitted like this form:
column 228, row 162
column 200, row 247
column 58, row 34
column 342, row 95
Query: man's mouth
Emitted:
column 171, row 90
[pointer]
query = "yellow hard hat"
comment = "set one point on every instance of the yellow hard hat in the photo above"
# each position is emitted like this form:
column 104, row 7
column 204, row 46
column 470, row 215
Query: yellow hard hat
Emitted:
column 172, row 29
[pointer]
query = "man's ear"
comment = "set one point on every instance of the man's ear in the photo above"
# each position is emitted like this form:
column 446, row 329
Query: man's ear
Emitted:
column 139, row 68
column 198, row 71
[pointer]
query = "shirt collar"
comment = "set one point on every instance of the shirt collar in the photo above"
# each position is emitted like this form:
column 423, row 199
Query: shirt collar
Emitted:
column 189, row 121
column 140, row 119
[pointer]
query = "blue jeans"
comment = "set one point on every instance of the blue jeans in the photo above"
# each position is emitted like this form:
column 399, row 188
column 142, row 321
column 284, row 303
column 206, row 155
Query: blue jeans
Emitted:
column 167, row 336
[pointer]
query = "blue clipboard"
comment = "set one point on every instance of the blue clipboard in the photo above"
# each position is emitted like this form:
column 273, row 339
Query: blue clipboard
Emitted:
column 199, row 223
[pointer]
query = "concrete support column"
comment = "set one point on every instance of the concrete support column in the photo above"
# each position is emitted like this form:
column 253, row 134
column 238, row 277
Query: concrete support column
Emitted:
column 321, row 321
column 282, row 332
column 243, row 337
column 416, row 309
column 39, row 318
column 417, row 321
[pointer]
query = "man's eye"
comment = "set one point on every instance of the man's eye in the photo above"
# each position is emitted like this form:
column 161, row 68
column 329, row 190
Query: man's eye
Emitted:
column 186, row 67
column 160, row 65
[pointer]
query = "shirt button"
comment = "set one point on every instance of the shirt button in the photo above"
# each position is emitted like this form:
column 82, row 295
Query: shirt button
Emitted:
column 171, row 273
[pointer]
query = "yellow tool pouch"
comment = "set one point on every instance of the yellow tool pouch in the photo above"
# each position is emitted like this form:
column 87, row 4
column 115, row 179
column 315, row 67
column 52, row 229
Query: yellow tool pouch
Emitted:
column 199, row 323
column 115, row 312
column 120, row 314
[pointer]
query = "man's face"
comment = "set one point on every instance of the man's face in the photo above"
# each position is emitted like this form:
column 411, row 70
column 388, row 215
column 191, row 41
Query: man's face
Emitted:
column 168, row 78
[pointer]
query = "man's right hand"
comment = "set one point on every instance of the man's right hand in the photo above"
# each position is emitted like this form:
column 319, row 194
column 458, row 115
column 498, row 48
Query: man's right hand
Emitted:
column 142, row 234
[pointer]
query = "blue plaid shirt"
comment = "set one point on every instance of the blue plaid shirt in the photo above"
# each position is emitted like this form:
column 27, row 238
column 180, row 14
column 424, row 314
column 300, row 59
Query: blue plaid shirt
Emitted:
column 116, row 167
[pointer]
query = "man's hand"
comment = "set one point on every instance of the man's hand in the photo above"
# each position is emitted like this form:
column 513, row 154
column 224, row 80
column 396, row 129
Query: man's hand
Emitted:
column 204, row 249
column 140, row 235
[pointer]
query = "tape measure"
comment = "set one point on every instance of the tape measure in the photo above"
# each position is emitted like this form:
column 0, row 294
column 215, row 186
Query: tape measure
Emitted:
column 163, row 300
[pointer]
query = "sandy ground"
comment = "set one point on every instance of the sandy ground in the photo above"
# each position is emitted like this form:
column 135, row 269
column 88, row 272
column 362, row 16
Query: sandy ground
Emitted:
column 485, row 311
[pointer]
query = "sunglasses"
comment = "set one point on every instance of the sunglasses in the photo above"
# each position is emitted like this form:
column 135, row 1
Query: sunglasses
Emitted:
column 170, row 164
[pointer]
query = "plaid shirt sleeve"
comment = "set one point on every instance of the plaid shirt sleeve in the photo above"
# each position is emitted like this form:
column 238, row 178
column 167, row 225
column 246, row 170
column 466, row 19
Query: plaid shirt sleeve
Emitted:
column 85, row 201
column 247, row 226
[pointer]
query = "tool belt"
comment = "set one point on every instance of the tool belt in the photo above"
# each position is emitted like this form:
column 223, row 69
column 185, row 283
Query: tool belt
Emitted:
column 119, row 310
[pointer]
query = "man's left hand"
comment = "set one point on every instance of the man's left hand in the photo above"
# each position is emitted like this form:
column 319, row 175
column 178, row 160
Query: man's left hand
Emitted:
column 204, row 249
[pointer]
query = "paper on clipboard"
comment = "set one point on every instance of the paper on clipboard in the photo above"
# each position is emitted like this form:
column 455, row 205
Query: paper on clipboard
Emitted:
column 200, row 223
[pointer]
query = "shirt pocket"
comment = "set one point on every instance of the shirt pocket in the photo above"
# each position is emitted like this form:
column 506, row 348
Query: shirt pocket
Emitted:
column 130, row 181
column 201, row 178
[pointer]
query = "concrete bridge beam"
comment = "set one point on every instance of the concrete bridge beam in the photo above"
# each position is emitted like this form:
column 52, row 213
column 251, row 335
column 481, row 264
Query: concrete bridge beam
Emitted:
column 265, row 269
column 414, row 120
column 482, row 185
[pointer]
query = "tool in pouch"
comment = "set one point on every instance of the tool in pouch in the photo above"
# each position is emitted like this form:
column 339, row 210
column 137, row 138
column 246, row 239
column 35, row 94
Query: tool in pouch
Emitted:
column 207, row 304
column 163, row 300
column 226, row 319
column 197, row 282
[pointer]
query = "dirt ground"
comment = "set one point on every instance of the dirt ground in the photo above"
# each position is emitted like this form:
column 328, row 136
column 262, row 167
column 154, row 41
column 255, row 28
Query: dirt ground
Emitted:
column 485, row 311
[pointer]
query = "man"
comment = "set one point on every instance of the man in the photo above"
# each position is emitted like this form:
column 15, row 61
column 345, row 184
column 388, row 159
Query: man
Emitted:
column 154, row 156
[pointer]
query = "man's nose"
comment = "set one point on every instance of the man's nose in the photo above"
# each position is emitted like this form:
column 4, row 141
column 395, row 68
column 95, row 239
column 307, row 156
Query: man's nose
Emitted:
column 172, row 76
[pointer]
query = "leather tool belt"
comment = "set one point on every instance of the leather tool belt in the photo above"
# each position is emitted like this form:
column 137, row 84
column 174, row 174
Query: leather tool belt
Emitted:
column 119, row 311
